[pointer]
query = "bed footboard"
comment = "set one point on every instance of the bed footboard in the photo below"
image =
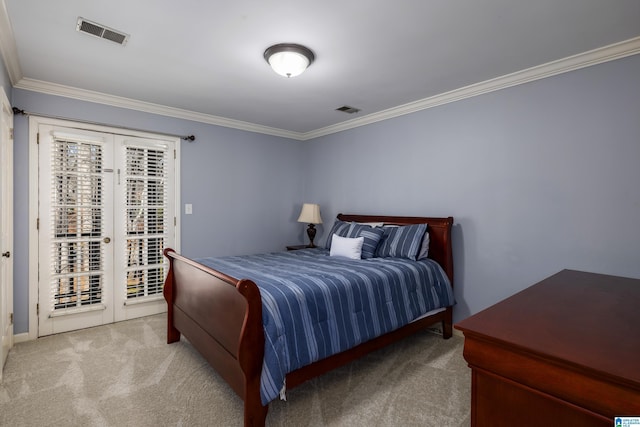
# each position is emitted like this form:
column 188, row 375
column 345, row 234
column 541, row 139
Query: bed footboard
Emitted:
column 222, row 318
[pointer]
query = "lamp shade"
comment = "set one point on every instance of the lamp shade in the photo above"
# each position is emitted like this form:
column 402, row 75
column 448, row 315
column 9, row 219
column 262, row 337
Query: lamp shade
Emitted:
column 310, row 214
column 289, row 60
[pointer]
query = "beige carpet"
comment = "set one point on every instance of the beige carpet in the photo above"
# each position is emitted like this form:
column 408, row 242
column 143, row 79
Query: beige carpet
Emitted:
column 125, row 374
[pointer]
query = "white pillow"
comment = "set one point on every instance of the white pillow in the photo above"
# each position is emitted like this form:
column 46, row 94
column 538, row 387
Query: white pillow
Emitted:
column 346, row 247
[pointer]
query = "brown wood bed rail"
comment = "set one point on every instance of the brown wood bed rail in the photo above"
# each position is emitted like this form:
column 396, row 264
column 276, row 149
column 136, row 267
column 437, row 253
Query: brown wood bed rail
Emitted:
column 221, row 316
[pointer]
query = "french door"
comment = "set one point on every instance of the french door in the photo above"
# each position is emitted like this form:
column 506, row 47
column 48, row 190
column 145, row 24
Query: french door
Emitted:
column 106, row 211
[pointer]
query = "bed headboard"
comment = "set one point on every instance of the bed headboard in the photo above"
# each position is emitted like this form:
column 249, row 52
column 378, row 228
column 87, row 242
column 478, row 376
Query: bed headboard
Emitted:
column 439, row 229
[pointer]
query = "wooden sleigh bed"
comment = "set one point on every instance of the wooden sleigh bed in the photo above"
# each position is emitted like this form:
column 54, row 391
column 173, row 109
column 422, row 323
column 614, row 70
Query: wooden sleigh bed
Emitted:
column 221, row 316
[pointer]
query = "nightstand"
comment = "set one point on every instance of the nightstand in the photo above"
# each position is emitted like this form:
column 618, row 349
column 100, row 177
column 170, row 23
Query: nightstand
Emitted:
column 296, row 247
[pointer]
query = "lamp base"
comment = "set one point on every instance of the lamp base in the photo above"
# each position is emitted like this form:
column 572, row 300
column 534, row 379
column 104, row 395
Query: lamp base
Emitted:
column 311, row 232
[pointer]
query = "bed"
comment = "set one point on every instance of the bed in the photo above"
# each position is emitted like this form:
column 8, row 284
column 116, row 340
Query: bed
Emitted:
column 228, row 319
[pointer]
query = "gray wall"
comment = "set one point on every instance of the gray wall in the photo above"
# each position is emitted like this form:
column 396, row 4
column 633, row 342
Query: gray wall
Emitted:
column 246, row 188
column 539, row 177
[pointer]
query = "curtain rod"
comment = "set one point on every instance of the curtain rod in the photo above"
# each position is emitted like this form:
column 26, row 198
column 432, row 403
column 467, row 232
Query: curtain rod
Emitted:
column 16, row 110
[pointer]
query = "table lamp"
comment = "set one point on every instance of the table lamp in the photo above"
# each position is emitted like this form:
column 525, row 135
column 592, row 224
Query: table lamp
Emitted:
column 310, row 214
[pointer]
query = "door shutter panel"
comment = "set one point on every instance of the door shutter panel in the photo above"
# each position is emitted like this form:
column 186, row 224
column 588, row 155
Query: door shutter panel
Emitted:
column 147, row 221
column 77, row 212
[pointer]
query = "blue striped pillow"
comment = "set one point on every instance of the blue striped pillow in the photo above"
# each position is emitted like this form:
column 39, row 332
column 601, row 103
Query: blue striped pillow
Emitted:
column 372, row 236
column 340, row 228
column 401, row 242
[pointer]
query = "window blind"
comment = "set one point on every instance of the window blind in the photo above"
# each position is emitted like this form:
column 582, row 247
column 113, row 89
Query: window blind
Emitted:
column 77, row 215
column 146, row 183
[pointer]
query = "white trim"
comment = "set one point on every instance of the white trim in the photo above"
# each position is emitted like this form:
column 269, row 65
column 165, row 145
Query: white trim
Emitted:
column 34, row 122
column 147, row 107
column 71, row 311
column 23, row 337
column 143, row 300
column 8, row 48
column 571, row 63
column 575, row 62
column 177, row 198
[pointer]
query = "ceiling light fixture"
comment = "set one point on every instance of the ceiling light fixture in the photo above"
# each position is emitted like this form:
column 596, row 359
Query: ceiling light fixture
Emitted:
column 289, row 60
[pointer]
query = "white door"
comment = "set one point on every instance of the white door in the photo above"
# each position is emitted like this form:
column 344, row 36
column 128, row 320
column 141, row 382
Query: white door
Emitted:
column 6, row 229
column 106, row 212
column 75, row 229
column 144, row 224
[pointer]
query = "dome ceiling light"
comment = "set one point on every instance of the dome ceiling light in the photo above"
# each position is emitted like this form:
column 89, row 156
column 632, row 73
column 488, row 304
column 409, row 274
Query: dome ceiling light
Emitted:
column 289, row 60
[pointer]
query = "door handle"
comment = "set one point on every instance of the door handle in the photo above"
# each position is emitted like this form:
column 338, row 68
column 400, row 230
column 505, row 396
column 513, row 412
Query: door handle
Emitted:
column 106, row 239
column 6, row 254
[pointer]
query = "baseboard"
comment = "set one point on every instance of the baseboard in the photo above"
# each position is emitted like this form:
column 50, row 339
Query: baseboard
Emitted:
column 21, row 337
column 434, row 329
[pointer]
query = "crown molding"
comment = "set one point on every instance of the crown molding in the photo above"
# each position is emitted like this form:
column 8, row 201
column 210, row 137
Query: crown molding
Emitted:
column 571, row 63
column 8, row 48
column 147, row 107
column 575, row 62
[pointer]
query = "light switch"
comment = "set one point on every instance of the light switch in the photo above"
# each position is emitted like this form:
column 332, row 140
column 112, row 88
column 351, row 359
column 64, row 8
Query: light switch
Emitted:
column 188, row 209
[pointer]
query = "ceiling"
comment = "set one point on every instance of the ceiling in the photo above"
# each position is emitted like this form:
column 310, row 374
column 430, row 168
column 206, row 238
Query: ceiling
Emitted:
column 204, row 59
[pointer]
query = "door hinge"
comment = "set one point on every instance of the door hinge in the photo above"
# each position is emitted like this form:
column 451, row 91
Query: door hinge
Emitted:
column 11, row 133
column 175, row 221
column 174, row 154
column 38, row 138
column 37, row 223
column 11, row 318
column 38, row 309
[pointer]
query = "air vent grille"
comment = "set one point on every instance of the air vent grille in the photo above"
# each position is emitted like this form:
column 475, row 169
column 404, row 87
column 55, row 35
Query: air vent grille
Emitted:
column 90, row 28
column 101, row 31
column 347, row 109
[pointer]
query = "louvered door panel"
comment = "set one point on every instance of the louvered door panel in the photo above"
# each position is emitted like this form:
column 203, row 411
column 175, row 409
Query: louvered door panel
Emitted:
column 78, row 221
column 147, row 217
column 76, row 259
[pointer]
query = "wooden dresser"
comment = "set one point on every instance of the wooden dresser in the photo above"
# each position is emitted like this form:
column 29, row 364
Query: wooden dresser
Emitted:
column 563, row 352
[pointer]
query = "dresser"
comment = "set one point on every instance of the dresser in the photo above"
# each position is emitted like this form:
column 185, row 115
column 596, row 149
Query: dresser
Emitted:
column 563, row 352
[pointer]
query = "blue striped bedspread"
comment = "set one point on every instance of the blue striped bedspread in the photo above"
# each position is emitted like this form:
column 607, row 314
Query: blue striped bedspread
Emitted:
column 315, row 305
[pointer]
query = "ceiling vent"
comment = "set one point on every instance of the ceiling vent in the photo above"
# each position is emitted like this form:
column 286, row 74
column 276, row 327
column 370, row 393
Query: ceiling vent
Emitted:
column 347, row 109
column 99, row 30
